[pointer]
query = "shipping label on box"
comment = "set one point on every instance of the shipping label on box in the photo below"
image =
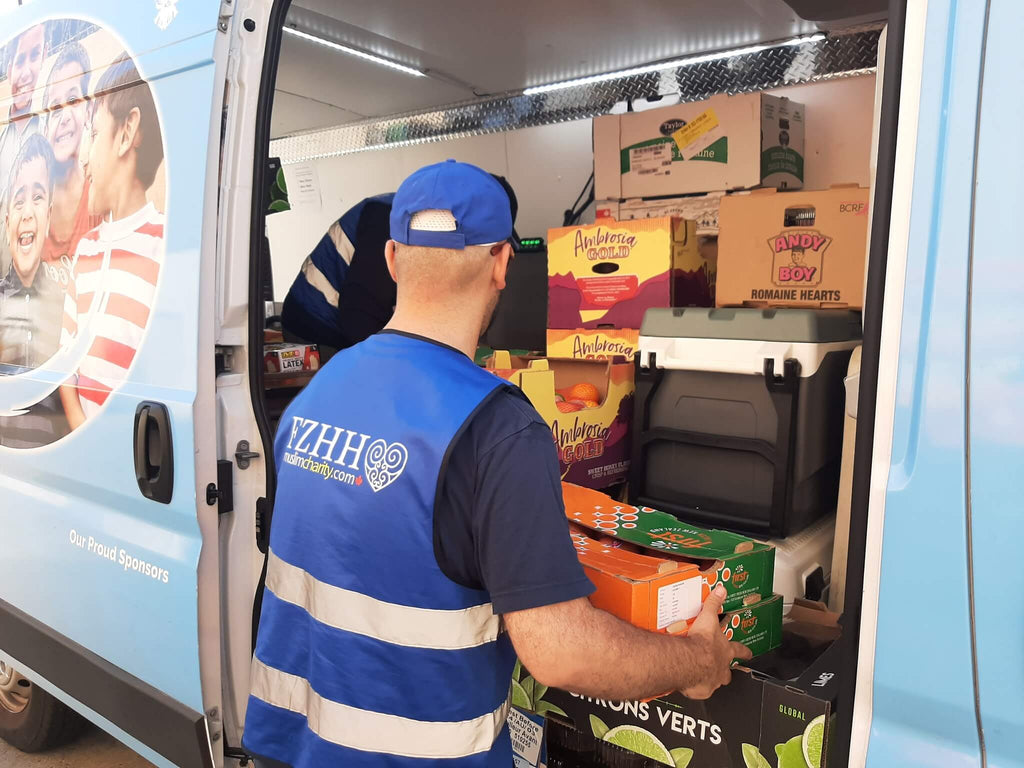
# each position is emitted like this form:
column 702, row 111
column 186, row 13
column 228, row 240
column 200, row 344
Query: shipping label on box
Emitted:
column 726, row 142
column 608, row 274
column 526, row 730
column 793, row 249
column 651, row 593
column 591, row 435
column 746, row 567
column 598, row 344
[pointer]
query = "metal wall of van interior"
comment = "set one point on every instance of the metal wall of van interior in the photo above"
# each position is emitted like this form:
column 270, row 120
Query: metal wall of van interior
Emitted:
column 843, row 53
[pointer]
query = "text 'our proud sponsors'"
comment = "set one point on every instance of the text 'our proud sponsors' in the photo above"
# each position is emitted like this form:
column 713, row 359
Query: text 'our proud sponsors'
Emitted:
column 119, row 555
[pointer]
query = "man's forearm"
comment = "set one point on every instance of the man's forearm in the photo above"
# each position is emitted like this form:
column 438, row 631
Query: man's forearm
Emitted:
column 602, row 656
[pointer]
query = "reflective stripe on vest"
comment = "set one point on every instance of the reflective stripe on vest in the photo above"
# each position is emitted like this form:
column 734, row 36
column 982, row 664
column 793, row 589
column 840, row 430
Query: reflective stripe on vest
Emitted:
column 372, row 731
column 365, row 646
column 388, row 622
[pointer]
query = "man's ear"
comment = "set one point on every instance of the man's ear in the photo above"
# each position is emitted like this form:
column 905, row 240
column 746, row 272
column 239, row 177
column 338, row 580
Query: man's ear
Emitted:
column 129, row 136
column 389, row 257
column 500, row 269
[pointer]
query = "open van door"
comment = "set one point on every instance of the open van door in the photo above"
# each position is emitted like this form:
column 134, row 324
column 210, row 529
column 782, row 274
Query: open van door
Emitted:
column 108, row 602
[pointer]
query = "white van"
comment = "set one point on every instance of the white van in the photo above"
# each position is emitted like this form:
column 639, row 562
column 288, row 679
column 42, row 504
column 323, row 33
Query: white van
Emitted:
column 136, row 415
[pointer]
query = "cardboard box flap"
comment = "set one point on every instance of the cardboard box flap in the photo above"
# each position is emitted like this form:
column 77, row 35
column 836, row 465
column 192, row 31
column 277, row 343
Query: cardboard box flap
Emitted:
column 623, row 563
column 653, row 529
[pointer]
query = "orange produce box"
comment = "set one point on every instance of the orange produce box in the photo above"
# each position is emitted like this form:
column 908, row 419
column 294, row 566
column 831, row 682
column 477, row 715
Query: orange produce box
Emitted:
column 648, row 592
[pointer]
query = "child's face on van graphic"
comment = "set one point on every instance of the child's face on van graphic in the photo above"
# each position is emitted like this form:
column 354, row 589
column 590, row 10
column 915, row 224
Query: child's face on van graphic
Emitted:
column 104, row 155
column 23, row 70
column 67, row 112
column 28, row 217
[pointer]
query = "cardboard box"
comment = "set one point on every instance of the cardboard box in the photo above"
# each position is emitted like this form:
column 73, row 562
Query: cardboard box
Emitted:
column 288, row 358
column 780, row 704
column 598, row 344
column 746, row 567
column 593, row 443
column 652, row 593
column 793, row 249
column 608, row 274
column 726, row 142
column 702, row 209
column 757, row 626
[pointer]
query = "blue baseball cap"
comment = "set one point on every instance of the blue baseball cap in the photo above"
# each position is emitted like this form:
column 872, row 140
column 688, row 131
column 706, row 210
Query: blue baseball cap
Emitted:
column 450, row 205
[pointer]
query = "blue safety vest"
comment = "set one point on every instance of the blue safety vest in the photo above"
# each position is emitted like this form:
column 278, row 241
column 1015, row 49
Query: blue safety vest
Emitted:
column 367, row 654
column 311, row 305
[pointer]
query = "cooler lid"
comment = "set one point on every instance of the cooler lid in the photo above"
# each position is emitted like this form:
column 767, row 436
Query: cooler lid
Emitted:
column 814, row 326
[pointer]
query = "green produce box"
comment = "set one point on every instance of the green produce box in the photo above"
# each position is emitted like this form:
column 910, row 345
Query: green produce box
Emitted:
column 746, row 567
column 757, row 626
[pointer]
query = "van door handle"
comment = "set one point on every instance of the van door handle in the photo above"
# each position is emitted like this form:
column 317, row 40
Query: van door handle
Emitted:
column 154, row 452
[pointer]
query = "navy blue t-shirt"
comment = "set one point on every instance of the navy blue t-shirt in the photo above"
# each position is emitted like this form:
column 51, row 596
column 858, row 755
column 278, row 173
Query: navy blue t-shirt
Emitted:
column 499, row 519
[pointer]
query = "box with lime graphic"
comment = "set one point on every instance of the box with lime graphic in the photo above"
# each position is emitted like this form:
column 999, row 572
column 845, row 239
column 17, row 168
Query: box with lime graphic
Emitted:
column 776, row 713
column 746, row 567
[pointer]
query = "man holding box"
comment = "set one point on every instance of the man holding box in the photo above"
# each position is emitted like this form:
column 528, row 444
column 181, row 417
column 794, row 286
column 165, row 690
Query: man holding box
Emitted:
column 419, row 542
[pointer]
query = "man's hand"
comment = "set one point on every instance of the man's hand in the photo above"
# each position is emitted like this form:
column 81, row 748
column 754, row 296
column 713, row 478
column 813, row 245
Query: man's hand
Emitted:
column 580, row 648
column 713, row 654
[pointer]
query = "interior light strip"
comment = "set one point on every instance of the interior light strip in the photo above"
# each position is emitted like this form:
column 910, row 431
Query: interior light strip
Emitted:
column 673, row 64
column 355, row 52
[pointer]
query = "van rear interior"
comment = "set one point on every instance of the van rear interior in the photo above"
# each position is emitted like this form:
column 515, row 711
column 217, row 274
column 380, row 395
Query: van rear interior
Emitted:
column 515, row 89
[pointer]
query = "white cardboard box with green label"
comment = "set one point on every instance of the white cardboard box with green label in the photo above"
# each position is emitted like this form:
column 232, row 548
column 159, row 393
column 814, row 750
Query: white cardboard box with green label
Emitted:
column 724, row 143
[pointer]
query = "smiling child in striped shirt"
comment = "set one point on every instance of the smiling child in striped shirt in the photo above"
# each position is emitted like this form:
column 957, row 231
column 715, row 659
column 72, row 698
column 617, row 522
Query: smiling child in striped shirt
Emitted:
column 119, row 261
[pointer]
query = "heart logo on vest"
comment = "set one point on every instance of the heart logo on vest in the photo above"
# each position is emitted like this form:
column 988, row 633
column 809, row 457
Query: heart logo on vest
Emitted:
column 384, row 464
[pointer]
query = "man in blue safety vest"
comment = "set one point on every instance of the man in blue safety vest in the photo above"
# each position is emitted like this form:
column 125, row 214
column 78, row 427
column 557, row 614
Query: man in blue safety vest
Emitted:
column 419, row 542
column 343, row 293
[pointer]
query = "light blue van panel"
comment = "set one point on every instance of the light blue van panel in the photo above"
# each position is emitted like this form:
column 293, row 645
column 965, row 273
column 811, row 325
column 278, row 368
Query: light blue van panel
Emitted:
column 57, row 498
column 923, row 709
column 997, row 390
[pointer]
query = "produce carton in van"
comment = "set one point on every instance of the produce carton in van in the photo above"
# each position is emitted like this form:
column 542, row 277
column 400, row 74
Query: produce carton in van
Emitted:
column 587, row 403
column 746, row 567
column 653, row 593
column 793, row 249
column 609, row 273
column 759, row 719
column 597, row 344
column 726, row 142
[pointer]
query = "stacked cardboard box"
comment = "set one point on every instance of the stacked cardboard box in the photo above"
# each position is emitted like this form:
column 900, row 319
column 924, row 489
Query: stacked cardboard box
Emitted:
column 592, row 441
column 768, row 715
column 603, row 277
column 793, row 249
column 746, row 567
column 724, row 143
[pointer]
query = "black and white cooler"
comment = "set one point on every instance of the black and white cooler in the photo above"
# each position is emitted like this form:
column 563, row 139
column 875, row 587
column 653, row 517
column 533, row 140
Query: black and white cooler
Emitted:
column 739, row 412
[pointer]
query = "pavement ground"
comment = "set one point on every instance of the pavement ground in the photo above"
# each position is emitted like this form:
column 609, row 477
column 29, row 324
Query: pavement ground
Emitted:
column 95, row 749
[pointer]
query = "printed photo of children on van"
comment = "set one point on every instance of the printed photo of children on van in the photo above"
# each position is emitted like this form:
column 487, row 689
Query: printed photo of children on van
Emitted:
column 117, row 263
column 30, row 299
column 66, row 116
column 24, row 57
column 81, row 222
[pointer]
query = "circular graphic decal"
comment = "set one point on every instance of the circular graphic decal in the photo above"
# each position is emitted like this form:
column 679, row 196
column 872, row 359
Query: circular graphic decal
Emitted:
column 82, row 200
